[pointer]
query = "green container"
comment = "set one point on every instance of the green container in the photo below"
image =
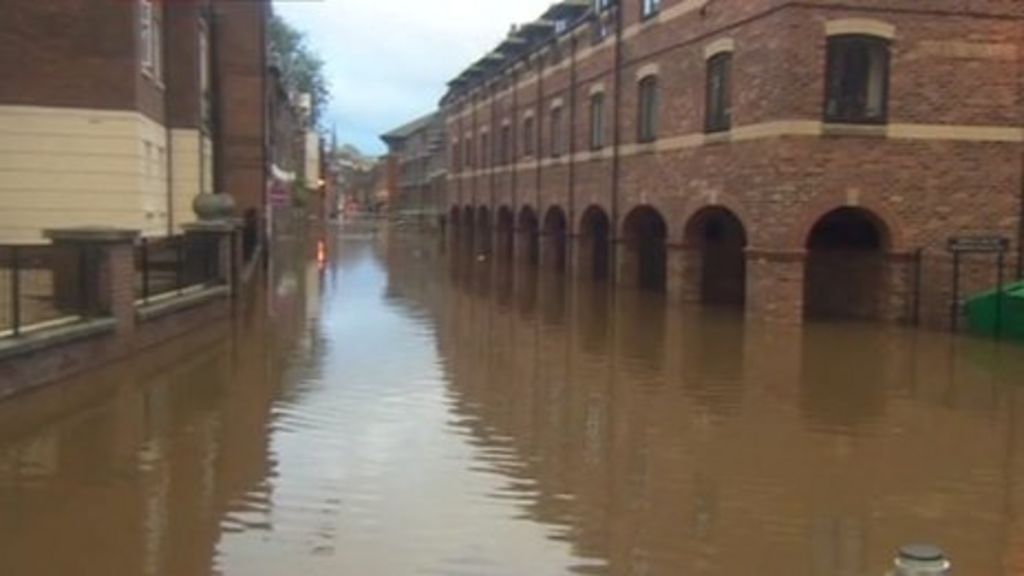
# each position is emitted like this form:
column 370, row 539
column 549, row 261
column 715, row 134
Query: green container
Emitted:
column 985, row 314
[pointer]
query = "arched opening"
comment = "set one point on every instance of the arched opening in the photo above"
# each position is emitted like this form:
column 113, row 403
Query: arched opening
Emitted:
column 645, row 234
column 529, row 230
column 845, row 275
column 595, row 238
column 555, row 235
column 467, row 228
column 483, row 224
column 716, row 240
column 506, row 230
column 454, row 225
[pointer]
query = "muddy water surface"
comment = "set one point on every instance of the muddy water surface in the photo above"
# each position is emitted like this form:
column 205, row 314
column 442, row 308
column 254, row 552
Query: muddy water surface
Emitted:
column 400, row 411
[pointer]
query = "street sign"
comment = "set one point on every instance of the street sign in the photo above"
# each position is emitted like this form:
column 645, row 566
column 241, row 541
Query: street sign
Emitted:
column 979, row 244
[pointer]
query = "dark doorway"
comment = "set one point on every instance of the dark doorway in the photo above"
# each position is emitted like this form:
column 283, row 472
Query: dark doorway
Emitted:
column 595, row 238
column 645, row 235
column 845, row 276
column 720, row 238
column 555, row 235
column 529, row 230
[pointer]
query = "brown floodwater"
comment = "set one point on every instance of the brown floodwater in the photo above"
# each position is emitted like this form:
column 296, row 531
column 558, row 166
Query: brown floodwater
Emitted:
column 405, row 411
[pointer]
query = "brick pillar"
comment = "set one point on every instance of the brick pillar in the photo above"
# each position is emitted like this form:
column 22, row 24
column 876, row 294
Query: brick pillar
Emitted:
column 553, row 251
column 896, row 301
column 523, row 249
column 109, row 276
column 682, row 281
column 691, row 274
column 218, row 235
column 581, row 264
column 775, row 285
column 627, row 264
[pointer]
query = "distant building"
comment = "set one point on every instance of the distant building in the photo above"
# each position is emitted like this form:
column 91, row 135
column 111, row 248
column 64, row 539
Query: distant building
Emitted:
column 416, row 152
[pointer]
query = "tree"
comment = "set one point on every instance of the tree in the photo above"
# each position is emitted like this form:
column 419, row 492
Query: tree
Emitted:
column 302, row 70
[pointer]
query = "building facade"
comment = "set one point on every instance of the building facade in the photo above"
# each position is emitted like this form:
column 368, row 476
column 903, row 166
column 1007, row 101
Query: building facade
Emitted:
column 120, row 114
column 418, row 151
column 801, row 159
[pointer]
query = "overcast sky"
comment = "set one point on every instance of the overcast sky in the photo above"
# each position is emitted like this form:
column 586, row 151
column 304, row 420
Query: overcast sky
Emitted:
column 388, row 60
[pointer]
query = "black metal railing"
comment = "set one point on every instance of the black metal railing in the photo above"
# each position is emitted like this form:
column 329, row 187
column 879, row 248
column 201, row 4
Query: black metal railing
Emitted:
column 42, row 285
column 176, row 264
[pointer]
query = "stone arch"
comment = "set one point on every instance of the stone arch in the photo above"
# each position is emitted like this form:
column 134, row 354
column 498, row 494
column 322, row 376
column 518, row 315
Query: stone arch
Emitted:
column 798, row 235
column 528, row 241
column 595, row 243
column 556, row 233
column 505, row 227
column 644, row 255
column 715, row 257
column 847, row 270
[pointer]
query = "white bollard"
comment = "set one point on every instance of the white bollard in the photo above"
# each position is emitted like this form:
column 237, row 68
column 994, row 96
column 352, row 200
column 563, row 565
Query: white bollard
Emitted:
column 921, row 560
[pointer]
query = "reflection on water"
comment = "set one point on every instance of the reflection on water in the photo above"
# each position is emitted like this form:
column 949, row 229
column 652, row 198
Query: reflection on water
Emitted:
column 406, row 411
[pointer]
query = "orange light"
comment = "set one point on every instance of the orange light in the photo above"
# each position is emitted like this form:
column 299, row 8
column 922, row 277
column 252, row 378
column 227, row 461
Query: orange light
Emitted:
column 321, row 253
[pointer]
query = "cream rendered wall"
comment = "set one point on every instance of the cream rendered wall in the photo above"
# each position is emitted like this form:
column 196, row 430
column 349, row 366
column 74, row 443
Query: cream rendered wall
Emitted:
column 186, row 177
column 75, row 167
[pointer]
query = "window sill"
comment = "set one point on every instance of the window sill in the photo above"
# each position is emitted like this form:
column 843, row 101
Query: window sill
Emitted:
column 650, row 19
column 857, row 130
column 718, row 136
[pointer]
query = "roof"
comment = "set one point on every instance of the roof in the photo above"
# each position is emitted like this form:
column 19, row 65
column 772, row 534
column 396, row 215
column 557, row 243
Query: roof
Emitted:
column 409, row 129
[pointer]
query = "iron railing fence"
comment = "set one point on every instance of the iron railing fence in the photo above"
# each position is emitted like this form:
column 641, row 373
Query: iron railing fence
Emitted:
column 175, row 265
column 42, row 285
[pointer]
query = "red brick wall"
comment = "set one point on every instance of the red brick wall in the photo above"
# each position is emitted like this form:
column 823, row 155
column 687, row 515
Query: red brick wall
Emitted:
column 953, row 63
column 69, row 53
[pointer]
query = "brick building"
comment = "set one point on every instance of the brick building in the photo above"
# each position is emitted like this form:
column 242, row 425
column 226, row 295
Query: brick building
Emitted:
column 796, row 158
column 418, row 150
column 119, row 114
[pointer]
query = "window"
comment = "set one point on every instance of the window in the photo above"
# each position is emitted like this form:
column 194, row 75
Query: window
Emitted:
column 719, row 95
column 857, row 89
column 651, row 8
column 506, row 140
column 150, row 39
column 455, row 157
column 204, row 73
column 528, row 137
column 557, row 132
column 647, row 126
column 467, row 151
column 485, row 150
column 597, row 121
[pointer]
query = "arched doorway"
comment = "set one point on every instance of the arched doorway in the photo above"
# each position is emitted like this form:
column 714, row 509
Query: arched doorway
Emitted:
column 555, row 234
column 595, row 238
column 645, row 234
column 468, row 228
column 846, row 265
column 483, row 224
column 716, row 240
column 454, row 225
column 506, row 230
column 529, row 230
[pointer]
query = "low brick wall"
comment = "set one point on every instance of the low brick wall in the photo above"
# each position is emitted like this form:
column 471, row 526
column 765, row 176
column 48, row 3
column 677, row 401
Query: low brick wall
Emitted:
column 117, row 326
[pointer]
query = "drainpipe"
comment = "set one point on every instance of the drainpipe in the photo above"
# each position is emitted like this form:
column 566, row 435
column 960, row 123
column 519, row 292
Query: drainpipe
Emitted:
column 492, row 143
column 168, row 141
column 538, row 140
column 513, row 152
column 571, row 133
column 616, row 141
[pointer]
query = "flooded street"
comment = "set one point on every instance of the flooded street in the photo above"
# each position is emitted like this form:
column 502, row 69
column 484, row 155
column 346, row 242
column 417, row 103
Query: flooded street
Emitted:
column 405, row 411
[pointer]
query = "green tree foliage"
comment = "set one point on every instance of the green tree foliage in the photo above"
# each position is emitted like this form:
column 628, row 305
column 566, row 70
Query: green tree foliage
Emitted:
column 302, row 70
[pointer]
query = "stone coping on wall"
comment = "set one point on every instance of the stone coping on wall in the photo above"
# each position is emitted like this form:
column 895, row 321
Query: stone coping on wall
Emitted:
column 175, row 303
column 97, row 234
column 53, row 335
